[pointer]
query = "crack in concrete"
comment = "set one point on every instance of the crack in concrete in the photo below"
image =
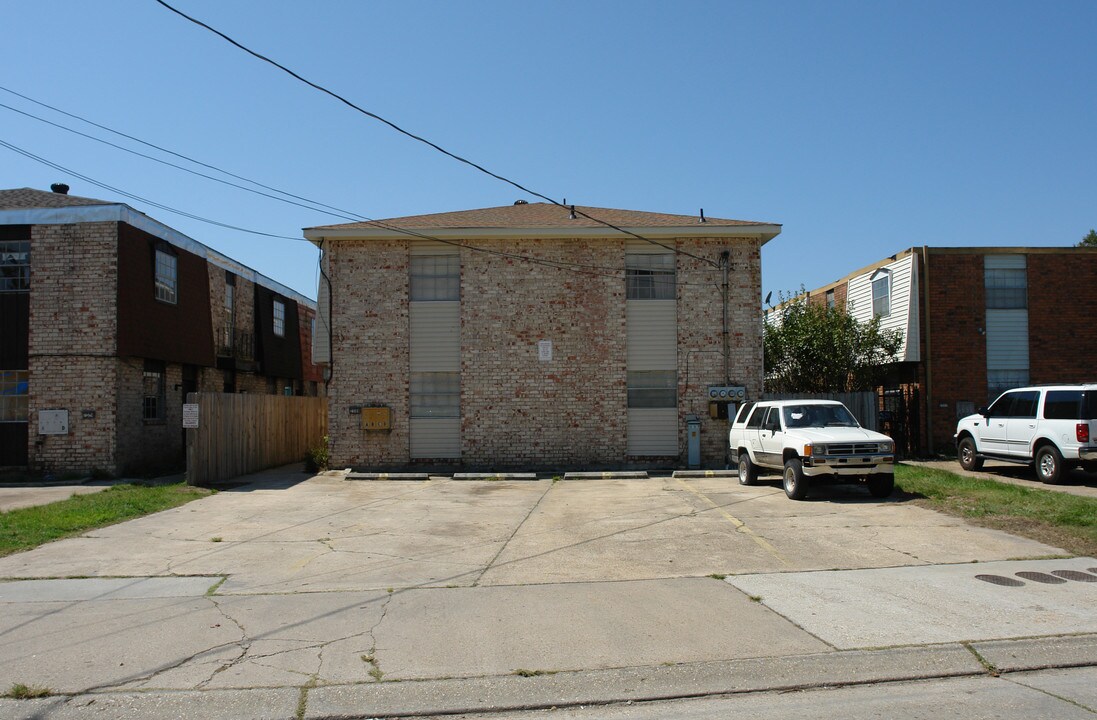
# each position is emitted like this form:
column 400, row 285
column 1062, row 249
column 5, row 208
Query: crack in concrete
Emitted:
column 874, row 537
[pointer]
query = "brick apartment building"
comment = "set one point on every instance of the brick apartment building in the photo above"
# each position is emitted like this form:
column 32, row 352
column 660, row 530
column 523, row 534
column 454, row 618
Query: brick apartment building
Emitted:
column 975, row 322
column 109, row 317
column 530, row 336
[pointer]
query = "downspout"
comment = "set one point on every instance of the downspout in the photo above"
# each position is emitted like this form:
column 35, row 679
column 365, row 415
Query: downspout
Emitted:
column 325, row 278
column 929, row 356
column 725, row 261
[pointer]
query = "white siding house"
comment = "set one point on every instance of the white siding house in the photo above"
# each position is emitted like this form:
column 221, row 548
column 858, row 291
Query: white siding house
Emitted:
column 890, row 291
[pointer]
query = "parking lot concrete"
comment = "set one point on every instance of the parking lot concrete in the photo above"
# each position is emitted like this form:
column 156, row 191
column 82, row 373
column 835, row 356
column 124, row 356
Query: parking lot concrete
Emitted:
column 338, row 589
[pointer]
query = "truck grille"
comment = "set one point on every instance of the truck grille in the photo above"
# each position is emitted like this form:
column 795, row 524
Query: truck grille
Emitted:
column 852, row 448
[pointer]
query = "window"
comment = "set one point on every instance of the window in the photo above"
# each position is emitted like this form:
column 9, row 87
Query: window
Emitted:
column 1024, row 404
column 435, row 395
column 830, row 299
column 744, row 412
column 998, row 381
column 756, row 419
column 14, row 392
column 649, row 276
column 881, row 294
column 279, row 318
column 166, row 277
column 153, row 389
column 1064, row 405
column 653, row 389
column 436, row 277
column 1007, row 288
column 14, row 265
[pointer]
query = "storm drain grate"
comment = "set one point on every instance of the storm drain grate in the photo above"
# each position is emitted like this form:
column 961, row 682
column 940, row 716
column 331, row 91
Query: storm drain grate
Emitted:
column 1074, row 575
column 999, row 580
column 1041, row 578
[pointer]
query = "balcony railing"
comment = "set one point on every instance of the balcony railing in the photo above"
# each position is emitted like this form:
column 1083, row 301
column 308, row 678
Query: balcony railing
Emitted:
column 235, row 343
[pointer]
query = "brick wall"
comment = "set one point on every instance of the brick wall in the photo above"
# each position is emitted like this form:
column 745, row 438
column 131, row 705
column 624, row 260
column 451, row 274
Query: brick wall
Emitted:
column 147, row 447
column 518, row 411
column 72, row 340
column 700, row 333
column 958, row 350
column 1062, row 295
column 369, row 326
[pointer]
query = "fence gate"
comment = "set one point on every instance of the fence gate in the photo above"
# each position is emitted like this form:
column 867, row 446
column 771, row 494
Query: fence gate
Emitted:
column 239, row 434
column 901, row 419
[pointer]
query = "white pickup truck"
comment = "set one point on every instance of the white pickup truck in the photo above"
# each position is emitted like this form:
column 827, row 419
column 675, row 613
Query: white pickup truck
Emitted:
column 809, row 441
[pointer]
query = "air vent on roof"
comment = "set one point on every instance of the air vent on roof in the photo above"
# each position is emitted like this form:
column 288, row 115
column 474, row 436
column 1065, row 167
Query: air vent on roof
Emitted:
column 60, row 188
column 521, row 202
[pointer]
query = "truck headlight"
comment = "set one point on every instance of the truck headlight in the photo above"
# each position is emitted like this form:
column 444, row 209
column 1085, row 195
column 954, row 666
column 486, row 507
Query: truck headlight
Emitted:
column 887, row 447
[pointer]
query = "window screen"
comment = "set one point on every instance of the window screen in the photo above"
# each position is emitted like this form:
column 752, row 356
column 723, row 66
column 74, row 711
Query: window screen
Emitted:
column 881, row 295
column 649, row 276
column 435, row 395
column 14, row 265
column 653, row 389
column 14, row 392
column 279, row 318
column 1006, row 288
column 153, row 389
column 166, row 277
column 436, row 277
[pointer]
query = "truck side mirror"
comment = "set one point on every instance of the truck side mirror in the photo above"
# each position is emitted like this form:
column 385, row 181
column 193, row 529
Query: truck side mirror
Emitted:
column 984, row 411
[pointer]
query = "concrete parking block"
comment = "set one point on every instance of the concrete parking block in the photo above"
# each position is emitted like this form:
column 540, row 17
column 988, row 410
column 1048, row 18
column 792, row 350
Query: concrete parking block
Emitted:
column 387, row 476
column 608, row 475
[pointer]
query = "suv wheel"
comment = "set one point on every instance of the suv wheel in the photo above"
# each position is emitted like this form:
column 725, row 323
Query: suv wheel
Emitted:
column 1049, row 464
column 881, row 485
column 968, row 459
column 747, row 470
column 796, row 485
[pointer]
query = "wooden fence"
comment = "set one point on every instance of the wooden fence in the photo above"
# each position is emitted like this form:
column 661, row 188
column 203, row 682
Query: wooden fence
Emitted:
column 861, row 404
column 239, row 434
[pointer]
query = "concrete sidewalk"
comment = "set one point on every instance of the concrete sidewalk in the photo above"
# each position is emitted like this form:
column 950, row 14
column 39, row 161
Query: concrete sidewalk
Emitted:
column 379, row 599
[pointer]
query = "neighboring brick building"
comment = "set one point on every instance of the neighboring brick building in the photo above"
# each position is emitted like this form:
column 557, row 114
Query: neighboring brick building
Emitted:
column 108, row 318
column 976, row 322
column 527, row 336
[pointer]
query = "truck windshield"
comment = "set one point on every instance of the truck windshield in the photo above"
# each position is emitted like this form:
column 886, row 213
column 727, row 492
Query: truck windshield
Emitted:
column 800, row 416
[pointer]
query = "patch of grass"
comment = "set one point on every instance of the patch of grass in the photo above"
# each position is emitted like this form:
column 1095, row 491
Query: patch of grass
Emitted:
column 717, row 576
column 376, row 674
column 216, row 539
column 756, row 598
column 26, row 528
column 216, row 586
column 19, row 691
column 522, row 672
column 1055, row 518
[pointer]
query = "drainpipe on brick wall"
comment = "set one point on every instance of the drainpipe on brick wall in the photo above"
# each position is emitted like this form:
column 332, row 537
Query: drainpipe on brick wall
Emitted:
column 929, row 362
column 725, row 261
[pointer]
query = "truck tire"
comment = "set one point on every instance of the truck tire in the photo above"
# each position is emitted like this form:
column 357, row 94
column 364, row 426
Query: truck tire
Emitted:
column 881, row 485
column 1049, row 464
column 748, row 471
column 968, row 459
column 796, row 484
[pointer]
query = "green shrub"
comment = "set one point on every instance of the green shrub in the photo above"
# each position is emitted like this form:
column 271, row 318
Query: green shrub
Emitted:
column 316, row 459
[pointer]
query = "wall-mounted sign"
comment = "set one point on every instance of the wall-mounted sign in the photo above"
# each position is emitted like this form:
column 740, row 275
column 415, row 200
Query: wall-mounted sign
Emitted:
column 87, row 414
column 190, row 415
column 544, row 350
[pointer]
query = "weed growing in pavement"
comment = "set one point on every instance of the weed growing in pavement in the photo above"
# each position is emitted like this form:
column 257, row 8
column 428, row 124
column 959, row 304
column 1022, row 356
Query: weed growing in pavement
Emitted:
column 756, row 598
column 522, row 672
column 717, row 576
column 19, row 691
column 215, row 539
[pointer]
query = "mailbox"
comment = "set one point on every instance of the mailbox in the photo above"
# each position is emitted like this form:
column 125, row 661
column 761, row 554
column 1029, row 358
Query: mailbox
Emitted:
column 376, row 418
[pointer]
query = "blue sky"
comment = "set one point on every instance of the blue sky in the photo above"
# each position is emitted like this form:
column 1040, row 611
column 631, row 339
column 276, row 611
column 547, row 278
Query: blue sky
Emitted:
column 863, row 127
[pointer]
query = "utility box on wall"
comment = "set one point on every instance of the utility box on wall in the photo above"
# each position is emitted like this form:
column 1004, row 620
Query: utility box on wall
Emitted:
column 376, row 418
column 53, row 422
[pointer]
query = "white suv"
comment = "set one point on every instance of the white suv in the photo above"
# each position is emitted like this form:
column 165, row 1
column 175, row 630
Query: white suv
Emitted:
column 1051, row 426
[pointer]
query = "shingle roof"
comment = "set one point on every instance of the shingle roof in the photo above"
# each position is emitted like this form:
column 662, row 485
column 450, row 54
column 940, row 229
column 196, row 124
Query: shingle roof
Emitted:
column 24, row 198
column 540, row 215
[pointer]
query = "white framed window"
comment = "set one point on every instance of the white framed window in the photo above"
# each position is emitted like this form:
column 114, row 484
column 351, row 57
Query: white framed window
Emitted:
column 435, row 395
column 649, row 276
column 279, row 318
column 14, row 391
column 830, row 299
column 152, row 381
column 881, row 294
column 14, row 265
column 435, row 277
column 167, row 277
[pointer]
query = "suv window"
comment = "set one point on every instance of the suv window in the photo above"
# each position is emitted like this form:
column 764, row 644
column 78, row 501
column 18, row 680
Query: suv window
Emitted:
column 1063, row 405
column 773, row 420
column 1024, row 404
column 756, row 419
column 744, row 412
column 1001, row 406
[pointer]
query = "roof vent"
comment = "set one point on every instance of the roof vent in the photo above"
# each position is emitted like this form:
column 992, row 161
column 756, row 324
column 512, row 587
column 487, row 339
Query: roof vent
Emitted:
column 521, row 202
column 60, row 188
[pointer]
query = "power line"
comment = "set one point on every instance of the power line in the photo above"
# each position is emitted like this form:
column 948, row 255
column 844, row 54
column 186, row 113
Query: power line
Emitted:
column 340, row 213
column 153, row 203
column 419, row 138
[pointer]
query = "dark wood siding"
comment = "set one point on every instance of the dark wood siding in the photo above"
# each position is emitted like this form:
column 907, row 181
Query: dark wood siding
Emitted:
column 13, row 443
column 149, row 328
column 14, row 333
column 278, row 356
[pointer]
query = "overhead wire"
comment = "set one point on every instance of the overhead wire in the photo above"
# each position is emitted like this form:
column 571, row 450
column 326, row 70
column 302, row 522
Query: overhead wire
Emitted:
column 424, row 140
column 335, row 212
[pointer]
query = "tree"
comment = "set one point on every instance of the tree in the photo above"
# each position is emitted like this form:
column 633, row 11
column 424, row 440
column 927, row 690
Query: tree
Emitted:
column 810, row 348
column 1090, row 240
